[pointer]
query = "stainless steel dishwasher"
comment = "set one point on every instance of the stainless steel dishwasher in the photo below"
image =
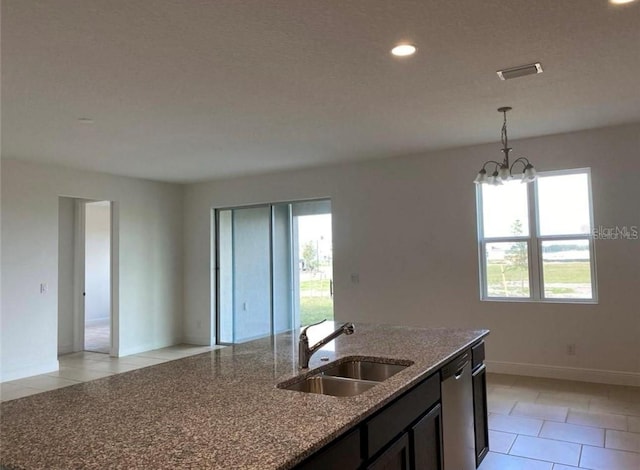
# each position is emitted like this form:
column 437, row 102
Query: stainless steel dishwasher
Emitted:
column 457, row 415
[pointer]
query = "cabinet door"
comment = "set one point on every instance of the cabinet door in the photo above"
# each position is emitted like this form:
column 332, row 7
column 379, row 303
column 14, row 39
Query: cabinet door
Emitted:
column 344, row 454
column 395, row 457
column 480, row 413
column 397, row 417
column 426, row 441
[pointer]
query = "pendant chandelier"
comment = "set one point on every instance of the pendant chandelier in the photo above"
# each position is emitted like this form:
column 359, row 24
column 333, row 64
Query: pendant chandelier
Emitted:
column 504, row 171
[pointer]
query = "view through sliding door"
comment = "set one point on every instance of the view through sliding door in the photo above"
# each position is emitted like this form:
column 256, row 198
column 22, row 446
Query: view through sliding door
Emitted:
column 274, row 269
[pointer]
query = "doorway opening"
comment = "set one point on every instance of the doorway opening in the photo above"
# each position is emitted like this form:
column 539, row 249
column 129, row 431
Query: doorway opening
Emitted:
column 85, row 276
column 274, row 269
column 315, row 267
column 97, row 277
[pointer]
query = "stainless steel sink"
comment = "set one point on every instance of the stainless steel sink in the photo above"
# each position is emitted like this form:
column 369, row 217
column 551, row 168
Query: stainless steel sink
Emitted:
column 334, row 386
column 364, row 370
column 346, row 378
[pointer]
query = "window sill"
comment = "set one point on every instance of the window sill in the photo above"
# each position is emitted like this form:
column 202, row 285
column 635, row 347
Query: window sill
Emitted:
column 541, row 301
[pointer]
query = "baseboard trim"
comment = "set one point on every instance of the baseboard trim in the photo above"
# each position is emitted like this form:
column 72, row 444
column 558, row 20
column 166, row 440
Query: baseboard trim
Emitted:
column 196, row 341
column 97, row 321
column 613, row 377
column 28, row 371
column 145, row 348
column 138, row 349
column 65, row 349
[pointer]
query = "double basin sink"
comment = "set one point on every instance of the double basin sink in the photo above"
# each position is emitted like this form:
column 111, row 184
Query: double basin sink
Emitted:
column 347, row 377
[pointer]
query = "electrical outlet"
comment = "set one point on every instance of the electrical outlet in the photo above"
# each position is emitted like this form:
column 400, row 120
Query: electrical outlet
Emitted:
column 571, row 349
column 355, row 278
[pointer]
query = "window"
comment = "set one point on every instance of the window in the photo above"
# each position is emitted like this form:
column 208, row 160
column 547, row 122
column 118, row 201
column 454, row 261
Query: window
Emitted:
column 535, row 240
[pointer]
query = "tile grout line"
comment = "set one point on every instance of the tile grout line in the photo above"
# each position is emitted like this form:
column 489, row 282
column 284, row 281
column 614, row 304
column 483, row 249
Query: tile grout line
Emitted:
column 580, row 454
column 512, row 443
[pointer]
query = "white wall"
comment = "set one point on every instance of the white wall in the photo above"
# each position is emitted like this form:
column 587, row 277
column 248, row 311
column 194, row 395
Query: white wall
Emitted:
column 97, row 274
column 0, row 183
column 66, row 220
column 407, row 226
column 148, row 291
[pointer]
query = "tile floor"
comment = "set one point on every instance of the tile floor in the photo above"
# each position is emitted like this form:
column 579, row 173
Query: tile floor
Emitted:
column 96, row 337
column 84, row 366
column 546, row 424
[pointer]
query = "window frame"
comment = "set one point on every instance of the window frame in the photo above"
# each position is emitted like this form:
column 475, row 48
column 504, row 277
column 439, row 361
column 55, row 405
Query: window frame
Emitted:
column 534, row 242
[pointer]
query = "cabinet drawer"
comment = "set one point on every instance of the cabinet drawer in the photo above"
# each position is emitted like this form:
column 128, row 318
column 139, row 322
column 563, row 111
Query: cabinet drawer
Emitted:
column 477, row 355
column 394, row 419
column 343, row 453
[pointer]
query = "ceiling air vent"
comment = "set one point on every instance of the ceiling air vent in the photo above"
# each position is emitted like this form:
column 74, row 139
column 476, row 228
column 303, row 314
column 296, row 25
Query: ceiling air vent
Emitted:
column 520, row 71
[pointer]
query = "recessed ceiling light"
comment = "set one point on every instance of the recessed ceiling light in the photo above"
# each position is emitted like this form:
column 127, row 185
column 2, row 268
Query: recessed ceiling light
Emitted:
column 404, row 50
column 620, row 2
column 85, row 120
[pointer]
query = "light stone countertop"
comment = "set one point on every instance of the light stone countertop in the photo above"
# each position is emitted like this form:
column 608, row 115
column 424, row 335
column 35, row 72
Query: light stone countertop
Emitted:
column 218, row 410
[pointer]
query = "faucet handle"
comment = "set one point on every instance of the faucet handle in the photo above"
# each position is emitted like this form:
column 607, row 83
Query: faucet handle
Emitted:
column 304, row 330
column 348, row 328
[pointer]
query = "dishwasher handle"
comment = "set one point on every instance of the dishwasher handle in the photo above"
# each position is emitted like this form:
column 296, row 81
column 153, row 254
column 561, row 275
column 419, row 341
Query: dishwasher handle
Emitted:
column 455, row 368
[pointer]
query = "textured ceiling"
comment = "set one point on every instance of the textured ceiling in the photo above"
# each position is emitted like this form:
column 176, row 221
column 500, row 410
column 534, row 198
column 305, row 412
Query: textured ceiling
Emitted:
column 193, row 90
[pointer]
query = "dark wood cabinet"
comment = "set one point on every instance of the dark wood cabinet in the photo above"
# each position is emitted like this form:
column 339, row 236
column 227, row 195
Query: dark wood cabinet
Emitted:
column 343, row 453
column 425, row 441
column 480, row 419
column 397, row 417
column 396, row 457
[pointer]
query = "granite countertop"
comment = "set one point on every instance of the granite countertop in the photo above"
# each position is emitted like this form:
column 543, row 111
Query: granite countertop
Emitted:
column 218, row 410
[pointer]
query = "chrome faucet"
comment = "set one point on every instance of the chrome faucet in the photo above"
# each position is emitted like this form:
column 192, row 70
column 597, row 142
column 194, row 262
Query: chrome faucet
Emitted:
column 305, row 352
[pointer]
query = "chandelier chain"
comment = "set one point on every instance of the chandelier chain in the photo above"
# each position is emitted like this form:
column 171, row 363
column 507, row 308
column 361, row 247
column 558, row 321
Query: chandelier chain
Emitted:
column 504, row 138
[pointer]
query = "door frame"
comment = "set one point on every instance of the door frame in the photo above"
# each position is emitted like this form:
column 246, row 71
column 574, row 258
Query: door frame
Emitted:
column 214, row 293
column 78, row 273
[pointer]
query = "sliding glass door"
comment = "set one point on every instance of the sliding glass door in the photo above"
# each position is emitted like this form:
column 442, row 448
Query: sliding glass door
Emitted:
column 245, row 268
column 267, row 262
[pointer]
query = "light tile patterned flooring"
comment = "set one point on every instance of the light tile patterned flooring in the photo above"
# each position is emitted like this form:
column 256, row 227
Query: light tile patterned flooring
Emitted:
column 96, row 337
column 84, row 366
column 547, row 424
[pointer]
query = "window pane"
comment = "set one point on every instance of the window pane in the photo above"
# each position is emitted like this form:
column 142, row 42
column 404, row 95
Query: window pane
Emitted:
column 563, row 204
column 505, row 211
column 507, row 269
column 567, row 269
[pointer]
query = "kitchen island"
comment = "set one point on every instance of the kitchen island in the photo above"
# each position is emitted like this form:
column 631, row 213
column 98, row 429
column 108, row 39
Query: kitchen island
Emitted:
column 220, row 409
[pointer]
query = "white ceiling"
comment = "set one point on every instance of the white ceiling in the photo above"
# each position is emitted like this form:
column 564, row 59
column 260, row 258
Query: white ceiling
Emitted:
column 192, row 90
